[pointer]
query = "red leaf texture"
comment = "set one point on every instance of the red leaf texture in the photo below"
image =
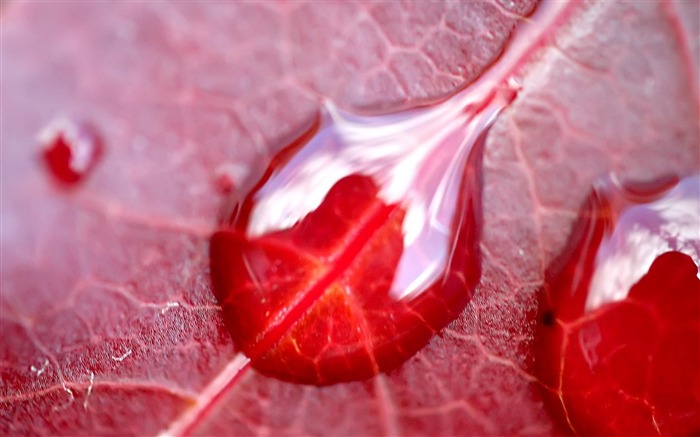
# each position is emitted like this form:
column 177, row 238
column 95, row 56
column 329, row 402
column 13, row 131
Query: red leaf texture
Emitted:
column 108, row 322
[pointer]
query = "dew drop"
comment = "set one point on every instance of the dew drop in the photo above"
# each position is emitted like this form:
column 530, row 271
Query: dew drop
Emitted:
column 359, row 243
column 509, row 5
column 226, row 177
column 618, row 339
column 361, row 239
column 70, row 149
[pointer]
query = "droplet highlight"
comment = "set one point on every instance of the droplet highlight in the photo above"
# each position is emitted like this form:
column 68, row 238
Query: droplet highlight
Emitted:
column 70, row 150
column 618, row 337
column 228, row 176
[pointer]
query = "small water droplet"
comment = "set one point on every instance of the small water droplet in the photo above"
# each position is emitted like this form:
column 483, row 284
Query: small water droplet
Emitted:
column 70, row 149
column 228, row 176
column 618, row 339
column 508, row 4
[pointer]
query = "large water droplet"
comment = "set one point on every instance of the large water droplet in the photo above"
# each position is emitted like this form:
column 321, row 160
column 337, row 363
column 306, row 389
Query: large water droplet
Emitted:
column 618, row 342
column 361, row 239
column 70, row 149
column 359, row 243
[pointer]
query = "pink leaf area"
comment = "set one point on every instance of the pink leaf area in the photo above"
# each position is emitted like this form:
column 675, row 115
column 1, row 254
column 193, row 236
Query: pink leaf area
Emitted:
column 108, row 321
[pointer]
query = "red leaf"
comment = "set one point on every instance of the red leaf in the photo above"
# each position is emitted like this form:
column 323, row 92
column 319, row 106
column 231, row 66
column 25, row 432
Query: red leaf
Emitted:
column 108, row 322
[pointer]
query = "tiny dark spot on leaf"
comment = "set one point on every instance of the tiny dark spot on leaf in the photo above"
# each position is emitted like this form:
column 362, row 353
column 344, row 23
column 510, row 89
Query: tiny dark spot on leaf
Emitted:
column 548, row 318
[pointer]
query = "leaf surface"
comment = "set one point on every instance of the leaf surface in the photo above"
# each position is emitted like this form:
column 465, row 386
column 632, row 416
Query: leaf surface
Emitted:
column 107, row 313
